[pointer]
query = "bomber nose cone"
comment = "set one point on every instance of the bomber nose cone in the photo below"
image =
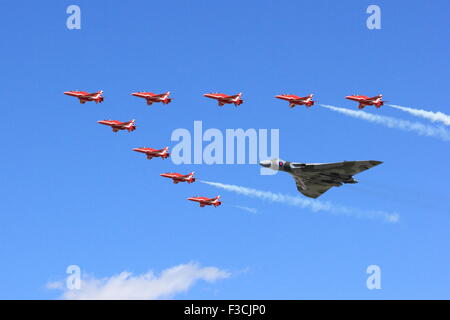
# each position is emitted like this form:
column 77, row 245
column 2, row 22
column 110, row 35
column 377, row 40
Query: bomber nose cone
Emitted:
column 265, row 163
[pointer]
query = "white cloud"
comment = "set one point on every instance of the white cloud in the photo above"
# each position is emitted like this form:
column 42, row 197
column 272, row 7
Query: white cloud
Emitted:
column 147, row 286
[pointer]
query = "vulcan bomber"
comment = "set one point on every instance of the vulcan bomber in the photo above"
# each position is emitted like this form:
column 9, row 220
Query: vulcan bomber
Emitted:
column 314, row 179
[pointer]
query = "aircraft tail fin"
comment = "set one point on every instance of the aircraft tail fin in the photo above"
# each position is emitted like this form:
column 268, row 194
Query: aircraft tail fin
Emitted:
column 377, row 97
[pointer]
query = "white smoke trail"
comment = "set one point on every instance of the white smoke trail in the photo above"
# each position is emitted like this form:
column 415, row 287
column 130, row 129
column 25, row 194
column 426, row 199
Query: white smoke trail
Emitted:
column 314, row 205
column 429, row 115
column 421, row 129
column 248, row 209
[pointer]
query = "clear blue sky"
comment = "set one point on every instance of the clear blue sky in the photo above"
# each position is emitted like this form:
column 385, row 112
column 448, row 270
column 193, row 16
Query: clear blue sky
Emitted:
column 74, row 193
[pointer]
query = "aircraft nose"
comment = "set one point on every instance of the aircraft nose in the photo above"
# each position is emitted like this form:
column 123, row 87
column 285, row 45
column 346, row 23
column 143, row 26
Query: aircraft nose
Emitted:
column 265, row 163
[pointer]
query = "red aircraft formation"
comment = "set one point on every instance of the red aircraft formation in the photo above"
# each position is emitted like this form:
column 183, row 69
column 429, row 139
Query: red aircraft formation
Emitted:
column 296, row 100
column 376, row 101
column 85, row 96
column 177, row 177
column 153, row 97
column 117, row 125
column 222, row 99
column 154, row 153
column 207, row 201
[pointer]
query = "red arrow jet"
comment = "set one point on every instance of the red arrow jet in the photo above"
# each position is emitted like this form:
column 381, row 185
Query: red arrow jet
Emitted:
column 152, row 153
column 86, row 96
column 376, row 101
column 153, row 97
column 207, row 201
column 176, row 177
column 117, row 125
column 223, row 98
column 296, row 100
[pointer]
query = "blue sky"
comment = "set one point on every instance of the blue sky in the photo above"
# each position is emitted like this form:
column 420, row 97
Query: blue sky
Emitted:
column 74, row 193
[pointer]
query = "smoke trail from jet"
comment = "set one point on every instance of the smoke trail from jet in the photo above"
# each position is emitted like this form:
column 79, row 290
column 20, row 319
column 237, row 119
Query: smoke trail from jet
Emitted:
column 429, row 115
column 305, row 203
column 419, row 128
column 248, row 209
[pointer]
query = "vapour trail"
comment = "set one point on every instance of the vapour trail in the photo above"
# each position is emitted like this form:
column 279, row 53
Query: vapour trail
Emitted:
column 305, row 203
column 248, row 209
column 429, row 115
column 390, row 122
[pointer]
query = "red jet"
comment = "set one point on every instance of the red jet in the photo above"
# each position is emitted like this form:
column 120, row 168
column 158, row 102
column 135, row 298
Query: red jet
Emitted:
column 296, row 100
column 223, row 98
column 153, row 97
column 207, row 201
column 176, row 177
column 152, row 153
column 86, row 96
column 117, row 125
column 366, row 101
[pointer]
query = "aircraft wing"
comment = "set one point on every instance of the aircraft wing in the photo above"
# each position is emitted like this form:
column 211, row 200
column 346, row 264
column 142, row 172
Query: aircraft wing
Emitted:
column 310, row 188
column 368, row 100
column 316, row 178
